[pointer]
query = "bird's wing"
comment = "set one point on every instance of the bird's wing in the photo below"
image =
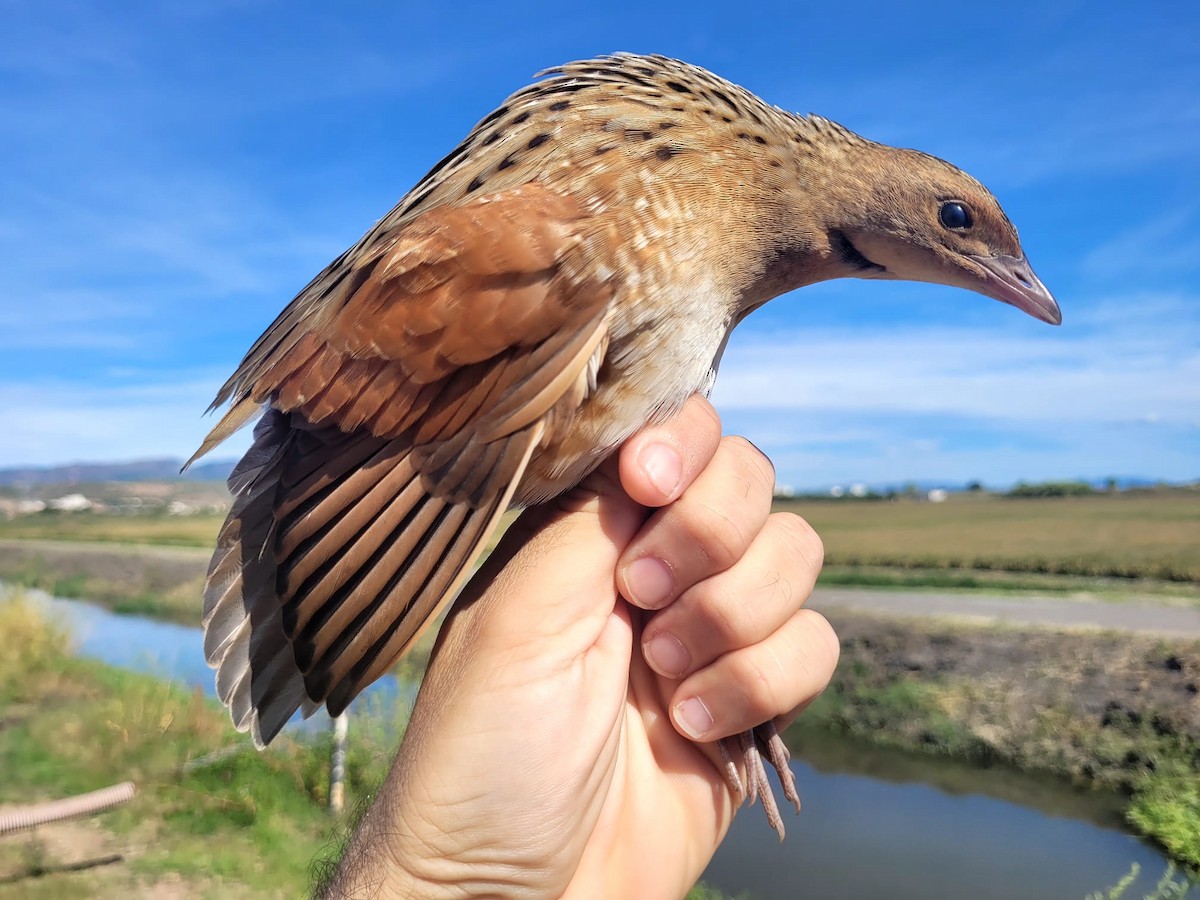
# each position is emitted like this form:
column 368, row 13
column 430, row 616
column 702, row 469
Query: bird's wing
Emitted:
column 408, row 388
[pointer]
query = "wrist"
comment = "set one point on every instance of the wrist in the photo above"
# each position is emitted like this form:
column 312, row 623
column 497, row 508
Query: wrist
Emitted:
column 401, row 852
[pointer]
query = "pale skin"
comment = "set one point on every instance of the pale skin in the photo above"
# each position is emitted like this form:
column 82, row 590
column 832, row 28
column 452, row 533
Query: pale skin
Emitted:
column 551, row 751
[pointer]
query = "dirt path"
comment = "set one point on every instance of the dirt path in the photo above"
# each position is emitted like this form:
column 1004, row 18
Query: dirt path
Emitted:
column 1137, row 617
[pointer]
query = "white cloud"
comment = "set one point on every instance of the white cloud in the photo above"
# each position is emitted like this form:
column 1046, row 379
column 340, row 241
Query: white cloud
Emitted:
column 1127, row 363
column 57, row 423
column 1116, row 391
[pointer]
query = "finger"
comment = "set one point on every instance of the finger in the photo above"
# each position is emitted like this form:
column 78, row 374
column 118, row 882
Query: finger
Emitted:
column 658, row 463
column 705, row 531
column 756, row 684
column 738, row 607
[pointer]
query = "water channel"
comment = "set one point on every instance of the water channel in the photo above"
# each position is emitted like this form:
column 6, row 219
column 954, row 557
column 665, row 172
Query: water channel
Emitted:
column 875, row 823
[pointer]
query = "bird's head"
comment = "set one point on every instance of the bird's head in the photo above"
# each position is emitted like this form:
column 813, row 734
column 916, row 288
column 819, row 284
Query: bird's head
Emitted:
column 918, row 218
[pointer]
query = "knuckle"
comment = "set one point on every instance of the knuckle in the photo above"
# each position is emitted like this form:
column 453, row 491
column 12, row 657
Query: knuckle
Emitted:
column 754, row 460
column 757, row 676
column 705, row 411
column 715, row 532
column 799, row 539
column 728, row 619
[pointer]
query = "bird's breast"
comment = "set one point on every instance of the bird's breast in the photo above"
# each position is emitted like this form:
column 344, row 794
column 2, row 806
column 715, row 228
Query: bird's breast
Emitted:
column 663, row 347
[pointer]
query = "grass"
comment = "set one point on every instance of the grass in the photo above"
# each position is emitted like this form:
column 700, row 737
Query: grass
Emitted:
column 1168, row 806
column 247, row 823
column 1167, row 887
column 158, row 529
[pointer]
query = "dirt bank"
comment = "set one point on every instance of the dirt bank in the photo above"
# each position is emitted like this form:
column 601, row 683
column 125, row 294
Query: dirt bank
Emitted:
column 1116, row 710
column 1005, row 676
column 159, row 582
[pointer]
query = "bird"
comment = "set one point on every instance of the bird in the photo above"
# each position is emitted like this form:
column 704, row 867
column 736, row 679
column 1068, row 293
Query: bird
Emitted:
column 569, row 273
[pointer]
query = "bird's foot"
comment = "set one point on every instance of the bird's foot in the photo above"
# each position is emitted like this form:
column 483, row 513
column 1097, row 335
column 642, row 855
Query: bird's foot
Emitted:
column 751, row 747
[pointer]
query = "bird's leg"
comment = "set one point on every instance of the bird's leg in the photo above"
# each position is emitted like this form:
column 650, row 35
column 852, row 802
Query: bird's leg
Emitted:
column 731, row 772
column 776, row 750
column 752, row 746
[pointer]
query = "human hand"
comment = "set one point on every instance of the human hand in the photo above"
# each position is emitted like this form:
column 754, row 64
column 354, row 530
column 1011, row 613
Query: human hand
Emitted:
column 550, row 751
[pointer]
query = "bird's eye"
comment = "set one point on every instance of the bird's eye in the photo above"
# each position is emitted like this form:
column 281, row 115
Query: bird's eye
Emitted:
column 955, row 215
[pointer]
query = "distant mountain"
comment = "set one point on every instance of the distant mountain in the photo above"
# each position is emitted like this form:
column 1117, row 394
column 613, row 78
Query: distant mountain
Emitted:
column 139, row 470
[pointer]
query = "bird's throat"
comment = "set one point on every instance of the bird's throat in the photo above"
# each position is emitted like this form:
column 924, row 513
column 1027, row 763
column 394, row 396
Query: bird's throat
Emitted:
column 851, row 257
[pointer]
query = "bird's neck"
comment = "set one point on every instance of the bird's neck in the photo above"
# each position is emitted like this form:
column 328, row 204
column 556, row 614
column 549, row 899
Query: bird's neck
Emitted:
column 829, row 197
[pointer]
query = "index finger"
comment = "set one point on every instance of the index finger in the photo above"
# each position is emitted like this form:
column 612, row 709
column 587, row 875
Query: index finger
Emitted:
column 658, row 463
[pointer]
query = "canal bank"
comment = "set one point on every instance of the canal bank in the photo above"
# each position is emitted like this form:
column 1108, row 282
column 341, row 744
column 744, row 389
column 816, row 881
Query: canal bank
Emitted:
column 883, row 809
column 1105, row 710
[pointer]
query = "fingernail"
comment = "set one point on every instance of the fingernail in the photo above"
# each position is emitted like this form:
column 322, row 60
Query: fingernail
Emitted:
column 667, row 655
column 663, row 467
column 650, row 581
column 693, row 717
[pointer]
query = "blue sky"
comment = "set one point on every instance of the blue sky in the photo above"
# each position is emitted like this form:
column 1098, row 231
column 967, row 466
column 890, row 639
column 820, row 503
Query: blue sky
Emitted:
column 172, row 173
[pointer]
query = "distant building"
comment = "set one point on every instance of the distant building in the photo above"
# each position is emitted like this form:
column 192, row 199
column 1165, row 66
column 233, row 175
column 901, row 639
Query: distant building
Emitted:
column 858, row 490
column 837, row 491
column 71, row 503
column 937, row 495
column 10, row 509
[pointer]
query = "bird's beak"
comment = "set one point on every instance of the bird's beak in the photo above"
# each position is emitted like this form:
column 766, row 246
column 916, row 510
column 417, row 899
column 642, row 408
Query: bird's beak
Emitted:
column 1010, row 279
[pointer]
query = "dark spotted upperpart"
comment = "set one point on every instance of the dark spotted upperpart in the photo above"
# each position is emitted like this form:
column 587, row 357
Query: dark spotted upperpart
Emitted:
column 637, row 140
column 623, row 98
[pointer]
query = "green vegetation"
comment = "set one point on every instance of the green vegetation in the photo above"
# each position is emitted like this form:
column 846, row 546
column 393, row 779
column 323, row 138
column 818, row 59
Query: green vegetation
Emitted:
column 163, row 583
column 1052, row 489
column 1132, row 535
column 702, row 891
column 1126, row 535
column 157, row 528
column 1166, row 889
column 211, row 811
column 991, row 581
column 1168, row 807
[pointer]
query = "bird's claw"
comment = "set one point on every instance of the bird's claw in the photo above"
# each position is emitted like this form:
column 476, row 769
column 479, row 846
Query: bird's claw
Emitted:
column 752, row 746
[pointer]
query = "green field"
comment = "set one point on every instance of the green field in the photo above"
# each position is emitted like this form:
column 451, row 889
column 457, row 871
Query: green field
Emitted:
column 171, row 531
column 1153, row 535
column 1136, row 535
